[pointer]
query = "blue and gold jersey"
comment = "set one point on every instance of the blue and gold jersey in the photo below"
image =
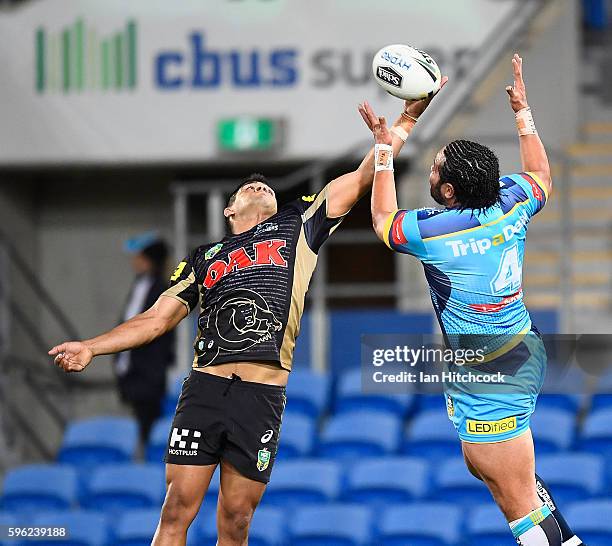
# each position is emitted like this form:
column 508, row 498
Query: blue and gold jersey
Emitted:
column 473, row 260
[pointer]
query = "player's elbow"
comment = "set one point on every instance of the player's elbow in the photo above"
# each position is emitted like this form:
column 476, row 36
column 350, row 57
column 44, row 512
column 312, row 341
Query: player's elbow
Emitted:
column 378, row 223
column 546, row 179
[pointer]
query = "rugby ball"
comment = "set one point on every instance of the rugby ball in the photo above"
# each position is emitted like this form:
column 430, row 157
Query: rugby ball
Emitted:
column 406, row 72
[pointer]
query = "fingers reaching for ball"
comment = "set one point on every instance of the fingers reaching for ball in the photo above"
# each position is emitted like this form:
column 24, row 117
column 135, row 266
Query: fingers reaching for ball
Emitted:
column 517, row 92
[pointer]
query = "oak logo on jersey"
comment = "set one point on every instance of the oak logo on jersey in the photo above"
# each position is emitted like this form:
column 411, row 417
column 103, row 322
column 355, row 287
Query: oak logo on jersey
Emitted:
column 265, row 253
column 237, row 322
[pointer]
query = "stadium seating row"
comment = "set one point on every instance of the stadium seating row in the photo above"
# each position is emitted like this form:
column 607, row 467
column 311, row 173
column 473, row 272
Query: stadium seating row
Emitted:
column 373, row 481
column 315, row 394
column 358, row 433
column 338, row 524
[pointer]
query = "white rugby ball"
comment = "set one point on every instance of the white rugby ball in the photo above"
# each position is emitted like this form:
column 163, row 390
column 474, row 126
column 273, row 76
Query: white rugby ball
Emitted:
column 406, row 72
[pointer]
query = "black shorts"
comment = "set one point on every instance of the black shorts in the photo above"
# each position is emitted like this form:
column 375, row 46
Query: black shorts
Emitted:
column 227, row 419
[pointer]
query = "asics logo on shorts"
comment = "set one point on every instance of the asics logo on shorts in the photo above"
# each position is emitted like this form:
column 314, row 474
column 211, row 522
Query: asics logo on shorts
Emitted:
column 178, row 439
column 267, row 436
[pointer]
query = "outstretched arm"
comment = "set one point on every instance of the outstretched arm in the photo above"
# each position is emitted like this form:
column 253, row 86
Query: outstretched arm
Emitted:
column 163, row 316
column 344, row 191
column 533, row 154
column 384, row 198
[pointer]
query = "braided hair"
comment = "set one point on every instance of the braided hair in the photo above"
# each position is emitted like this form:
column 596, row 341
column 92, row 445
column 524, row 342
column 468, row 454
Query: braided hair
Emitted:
column 473, row 171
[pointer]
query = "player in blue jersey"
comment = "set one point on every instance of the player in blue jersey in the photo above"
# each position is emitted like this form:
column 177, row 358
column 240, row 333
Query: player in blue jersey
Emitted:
column 472, row 252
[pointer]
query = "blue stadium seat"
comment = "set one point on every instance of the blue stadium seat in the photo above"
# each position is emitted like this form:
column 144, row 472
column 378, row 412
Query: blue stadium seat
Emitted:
column 267, row 528
column 99, row 440
column 8, row 519
column 85, row 528
column 303, row 481
column 487, row 526
column 564, row 387
column 136, row 527
column 158, row 440
column 308, row 392
column 347, row 327
column 213, row 489
column 602, row 399
column 454, row 483
column 596, row 434
column 331, row 525
column 360, row 434
column 39, row 487
column 124, row 486
column 431, row 434
column 350, row 397
column 552, row 429
column 387, row 480
column 561, row 401
column 572, row 476
column 297, row 436
column 429, row 401
column 172, row 395
column 591, row 521
column 422, row 524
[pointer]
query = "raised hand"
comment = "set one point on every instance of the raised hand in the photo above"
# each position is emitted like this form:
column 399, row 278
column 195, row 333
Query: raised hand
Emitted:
column 414, row 108
column 517, row 92
column 72, row 356
column 378, row 125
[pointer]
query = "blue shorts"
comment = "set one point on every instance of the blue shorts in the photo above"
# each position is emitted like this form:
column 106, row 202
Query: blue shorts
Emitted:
column 487, row 412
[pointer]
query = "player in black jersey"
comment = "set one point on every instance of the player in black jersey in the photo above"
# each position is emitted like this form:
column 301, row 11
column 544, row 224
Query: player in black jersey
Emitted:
column 249, row 290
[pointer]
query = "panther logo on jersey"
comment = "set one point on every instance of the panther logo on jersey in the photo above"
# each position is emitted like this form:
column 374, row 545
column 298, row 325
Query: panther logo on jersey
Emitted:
column 238, row 322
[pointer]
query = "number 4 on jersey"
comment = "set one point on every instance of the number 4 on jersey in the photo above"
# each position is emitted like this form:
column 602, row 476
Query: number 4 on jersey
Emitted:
column 509, row 276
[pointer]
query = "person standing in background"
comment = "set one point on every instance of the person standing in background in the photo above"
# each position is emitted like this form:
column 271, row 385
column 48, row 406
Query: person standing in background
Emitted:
column 141, row 373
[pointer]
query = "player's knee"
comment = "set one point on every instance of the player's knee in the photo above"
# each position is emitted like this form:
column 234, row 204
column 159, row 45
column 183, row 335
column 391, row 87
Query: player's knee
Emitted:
column 235, row 517
column 178, row 510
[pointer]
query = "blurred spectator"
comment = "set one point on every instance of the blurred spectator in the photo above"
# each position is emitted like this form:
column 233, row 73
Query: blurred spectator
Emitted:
column 141, row 373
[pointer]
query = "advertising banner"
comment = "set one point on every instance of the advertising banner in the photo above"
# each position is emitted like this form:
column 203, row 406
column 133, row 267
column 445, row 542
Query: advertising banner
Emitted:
column 154, row 81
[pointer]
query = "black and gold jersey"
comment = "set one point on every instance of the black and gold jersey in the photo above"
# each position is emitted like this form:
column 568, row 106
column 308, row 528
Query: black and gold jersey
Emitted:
column 251, row 286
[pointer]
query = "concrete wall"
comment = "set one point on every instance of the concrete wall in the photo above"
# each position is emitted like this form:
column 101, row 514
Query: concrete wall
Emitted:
column 82, row 227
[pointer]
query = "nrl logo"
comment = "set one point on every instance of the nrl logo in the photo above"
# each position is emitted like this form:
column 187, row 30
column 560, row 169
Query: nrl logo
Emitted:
column 263, row 459
column 211, row 252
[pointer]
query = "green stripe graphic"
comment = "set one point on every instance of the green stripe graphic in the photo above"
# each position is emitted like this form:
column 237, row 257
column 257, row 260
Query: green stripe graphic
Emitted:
column 106, row 70
column 40, row 60
column 66, row 60
column 75, row 58
column 131, row 50
column 118, row 42
column 79, row 56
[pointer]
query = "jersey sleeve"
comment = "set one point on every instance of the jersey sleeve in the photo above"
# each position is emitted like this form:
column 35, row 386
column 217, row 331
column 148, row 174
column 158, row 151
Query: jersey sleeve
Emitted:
column 318, row 226
column 526, row 189
column 401, row 233
column 183, row 285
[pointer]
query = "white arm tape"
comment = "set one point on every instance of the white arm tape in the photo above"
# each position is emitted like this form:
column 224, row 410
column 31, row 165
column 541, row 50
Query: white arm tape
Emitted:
column 525, row 123
column 400, row 132
column 383, row 157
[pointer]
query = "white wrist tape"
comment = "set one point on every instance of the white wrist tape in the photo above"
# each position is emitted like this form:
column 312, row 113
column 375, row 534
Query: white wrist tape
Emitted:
column 383, row 157
column 400, row 132
column 525, row 123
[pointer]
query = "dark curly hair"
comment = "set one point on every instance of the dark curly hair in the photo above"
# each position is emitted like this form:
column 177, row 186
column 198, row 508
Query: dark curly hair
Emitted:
column 473, row 171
